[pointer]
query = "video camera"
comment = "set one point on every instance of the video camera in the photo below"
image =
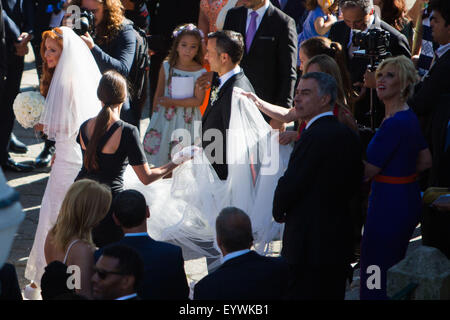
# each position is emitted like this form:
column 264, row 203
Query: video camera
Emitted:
column 85, row 23
column 373, row 43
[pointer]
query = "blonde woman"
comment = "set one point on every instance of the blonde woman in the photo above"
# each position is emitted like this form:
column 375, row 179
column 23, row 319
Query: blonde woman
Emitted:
column 69, row 241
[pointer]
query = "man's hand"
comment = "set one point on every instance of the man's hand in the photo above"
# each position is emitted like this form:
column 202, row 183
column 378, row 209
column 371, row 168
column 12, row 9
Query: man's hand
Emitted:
column 205, row 80
column 287, row 137
column 88, row 40
column 369, row 79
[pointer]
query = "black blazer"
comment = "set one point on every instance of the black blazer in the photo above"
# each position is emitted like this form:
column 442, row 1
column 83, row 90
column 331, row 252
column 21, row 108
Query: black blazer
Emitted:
column 295, row 9
column 247, row 277
column 271, row 62
column 18, row 17
column 217, row 116
column 3, row 61
column 428, row 92
column 340, row 32
column 313, row 197
column 165, row 278
column 9, row 284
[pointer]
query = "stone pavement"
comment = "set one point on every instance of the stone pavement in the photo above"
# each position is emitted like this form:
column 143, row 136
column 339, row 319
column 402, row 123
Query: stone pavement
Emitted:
column 31, row 186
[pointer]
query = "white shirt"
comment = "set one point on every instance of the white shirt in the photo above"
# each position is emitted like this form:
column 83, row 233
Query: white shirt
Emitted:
column 224, row 78
column 442, row 50
column 310, row 122
column 234, row 254
column 130, row 296
column 261, row 12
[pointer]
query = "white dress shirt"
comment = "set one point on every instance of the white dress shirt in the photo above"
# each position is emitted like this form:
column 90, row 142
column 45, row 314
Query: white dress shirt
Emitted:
column 224, row 78
column 310, row 122
column 261, row 12
column 442, row 50
column 234, row 254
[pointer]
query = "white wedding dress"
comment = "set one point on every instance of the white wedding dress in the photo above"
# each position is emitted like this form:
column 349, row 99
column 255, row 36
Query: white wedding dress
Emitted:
column 183, row 209
column 71, row 99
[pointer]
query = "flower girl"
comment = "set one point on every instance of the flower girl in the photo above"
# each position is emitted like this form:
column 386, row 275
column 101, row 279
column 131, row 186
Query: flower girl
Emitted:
column 177, row 100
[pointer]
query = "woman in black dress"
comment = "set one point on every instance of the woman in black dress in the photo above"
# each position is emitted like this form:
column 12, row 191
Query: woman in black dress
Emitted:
column 108, row 144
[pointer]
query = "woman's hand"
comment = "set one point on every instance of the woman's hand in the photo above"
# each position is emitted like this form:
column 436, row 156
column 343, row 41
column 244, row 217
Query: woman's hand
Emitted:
column 205, row 80
column 251, row 96
column 88, row 40
column 53, row 159
column 39, row 127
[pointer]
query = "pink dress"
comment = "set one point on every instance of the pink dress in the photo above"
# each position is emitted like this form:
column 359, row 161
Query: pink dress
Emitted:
column 216, row 10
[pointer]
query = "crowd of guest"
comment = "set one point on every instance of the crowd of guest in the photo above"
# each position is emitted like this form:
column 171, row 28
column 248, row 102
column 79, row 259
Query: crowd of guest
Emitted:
column 370, row 136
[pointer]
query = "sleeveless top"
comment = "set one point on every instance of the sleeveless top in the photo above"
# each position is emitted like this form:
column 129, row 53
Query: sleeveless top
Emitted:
column 68, row 250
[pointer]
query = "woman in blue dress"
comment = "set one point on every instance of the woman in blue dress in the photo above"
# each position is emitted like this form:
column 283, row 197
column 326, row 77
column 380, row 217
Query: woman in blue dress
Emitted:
column 395, row 155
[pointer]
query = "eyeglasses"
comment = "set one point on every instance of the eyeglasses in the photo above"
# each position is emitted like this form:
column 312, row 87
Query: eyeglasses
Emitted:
column 103, row 273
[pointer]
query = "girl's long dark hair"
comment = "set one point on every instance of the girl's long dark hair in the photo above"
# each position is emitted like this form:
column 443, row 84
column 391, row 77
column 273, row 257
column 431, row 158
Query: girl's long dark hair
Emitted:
column 112, row 90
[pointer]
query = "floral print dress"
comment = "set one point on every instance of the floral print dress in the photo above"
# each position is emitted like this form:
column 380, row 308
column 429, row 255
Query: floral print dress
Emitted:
column 158, row 140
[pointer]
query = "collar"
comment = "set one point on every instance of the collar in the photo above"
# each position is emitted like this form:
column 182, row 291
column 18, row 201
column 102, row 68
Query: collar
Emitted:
column 234, row 254
column 442, row 50
column 128, row 297
column 261, row 11
column 224, row 78
column 138, row 234
column 310, row 122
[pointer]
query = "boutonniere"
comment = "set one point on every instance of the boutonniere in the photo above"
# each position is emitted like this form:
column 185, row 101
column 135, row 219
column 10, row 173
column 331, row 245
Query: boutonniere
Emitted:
column 214, row 93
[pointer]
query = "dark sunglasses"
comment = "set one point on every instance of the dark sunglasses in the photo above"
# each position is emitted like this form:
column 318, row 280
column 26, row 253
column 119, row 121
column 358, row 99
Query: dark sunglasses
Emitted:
column 102, row 274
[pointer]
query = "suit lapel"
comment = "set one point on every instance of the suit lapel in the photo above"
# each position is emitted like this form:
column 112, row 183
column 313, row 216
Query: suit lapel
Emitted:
column 221, row 92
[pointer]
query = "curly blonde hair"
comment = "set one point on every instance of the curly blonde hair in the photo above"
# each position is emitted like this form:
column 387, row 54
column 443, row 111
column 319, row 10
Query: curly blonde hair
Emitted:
column 47, row 73
column 113, row 17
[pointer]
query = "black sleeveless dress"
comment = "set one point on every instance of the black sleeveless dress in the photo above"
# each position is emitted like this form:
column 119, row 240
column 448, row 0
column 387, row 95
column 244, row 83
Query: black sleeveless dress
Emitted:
column 110, row 172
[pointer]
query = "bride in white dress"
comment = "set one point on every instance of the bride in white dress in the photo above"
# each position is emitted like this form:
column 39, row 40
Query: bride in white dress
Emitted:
column 183, row 209
column 70, row 81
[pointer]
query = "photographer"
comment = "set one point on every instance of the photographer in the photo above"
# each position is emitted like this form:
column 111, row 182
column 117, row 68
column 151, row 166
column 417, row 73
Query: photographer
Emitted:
column 359, row 16
column 115, row 42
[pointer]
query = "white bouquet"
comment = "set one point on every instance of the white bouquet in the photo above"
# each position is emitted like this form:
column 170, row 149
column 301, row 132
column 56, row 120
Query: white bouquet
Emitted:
column 28, row 107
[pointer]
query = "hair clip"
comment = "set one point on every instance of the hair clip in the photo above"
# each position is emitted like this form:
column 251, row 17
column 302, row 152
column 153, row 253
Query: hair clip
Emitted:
column 188, row 27
column 57, row 33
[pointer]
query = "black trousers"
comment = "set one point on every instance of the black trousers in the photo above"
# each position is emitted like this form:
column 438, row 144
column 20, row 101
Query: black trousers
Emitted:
column 10, row 91
column 324, row 283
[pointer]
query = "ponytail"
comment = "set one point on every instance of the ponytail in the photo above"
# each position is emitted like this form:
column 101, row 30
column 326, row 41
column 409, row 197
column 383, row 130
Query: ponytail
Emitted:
column 100, row 127
column 112, row 91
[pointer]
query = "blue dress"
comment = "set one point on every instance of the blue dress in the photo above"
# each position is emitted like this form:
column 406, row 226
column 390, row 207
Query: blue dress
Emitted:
column 394, row 209
column 309, row 30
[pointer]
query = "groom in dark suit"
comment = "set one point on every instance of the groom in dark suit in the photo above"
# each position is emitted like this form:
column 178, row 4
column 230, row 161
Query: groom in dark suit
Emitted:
column 270, row 56
column 313, row 197
column 224, row 52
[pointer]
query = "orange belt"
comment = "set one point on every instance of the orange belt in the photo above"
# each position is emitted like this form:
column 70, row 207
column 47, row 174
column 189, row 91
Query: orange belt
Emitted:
column 396, row 180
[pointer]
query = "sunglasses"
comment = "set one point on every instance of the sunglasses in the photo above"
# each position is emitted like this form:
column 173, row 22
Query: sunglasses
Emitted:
column 102, row 274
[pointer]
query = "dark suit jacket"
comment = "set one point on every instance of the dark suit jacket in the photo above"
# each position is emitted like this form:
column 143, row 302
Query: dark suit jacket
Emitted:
column 9, row 284
column 217, row 116
column 18, row 16
column 295, row 9
column 165, row 278
column 271, row 62
column 340, row 32
column 428, row 92
column 313, row 197
column 3, row 61
column 247, row 277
